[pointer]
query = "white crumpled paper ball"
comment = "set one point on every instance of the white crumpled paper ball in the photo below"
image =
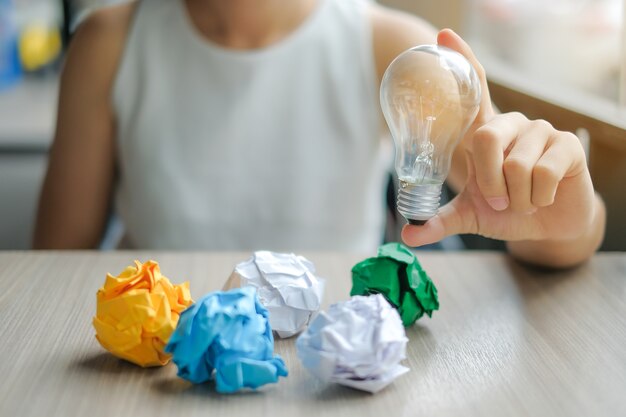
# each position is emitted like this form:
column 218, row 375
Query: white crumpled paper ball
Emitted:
column 286, row 285
column 358, row 343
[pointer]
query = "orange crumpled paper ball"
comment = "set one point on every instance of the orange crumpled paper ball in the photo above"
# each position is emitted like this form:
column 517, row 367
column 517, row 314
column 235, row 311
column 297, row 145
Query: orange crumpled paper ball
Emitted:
column 137, row 312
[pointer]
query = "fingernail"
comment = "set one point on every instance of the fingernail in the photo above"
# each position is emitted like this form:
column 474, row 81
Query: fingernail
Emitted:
column 498, row 203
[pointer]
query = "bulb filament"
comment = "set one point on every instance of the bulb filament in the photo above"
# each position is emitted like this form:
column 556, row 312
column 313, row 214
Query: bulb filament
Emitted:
column 423, row 165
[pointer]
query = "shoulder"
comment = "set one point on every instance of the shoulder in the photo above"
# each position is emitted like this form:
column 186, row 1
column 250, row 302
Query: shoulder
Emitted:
column 98, row 43
column 394, row 31
column 111, row 19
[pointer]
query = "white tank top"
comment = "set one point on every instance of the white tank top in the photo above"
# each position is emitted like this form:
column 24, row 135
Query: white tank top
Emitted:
column 277, row 148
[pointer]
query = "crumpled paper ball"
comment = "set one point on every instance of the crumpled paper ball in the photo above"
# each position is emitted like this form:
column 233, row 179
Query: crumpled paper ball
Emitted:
column 396, row 273
column 286, row 285
column 358, row 343
column 136, row 313
column 226, row 336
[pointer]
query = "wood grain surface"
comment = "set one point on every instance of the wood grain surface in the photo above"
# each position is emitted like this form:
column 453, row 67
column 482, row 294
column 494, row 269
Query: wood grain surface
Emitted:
column 508, row 340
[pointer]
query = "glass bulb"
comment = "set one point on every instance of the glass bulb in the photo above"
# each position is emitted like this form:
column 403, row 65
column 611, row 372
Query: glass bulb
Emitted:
column 429, row 95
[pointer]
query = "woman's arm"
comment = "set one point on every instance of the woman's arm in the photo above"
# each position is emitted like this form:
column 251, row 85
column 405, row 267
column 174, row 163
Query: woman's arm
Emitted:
column 394, row 32
column 75, row 199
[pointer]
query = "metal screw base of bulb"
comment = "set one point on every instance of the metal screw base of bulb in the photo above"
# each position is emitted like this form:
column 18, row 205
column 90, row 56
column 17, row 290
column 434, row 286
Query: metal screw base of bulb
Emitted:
column 418, row 202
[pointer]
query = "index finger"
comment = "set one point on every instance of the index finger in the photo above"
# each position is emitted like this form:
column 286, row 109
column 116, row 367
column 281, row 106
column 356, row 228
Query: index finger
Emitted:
column 449, row 39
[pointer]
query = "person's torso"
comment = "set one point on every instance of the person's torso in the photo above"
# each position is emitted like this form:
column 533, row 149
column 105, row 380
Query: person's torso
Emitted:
column 276, row 148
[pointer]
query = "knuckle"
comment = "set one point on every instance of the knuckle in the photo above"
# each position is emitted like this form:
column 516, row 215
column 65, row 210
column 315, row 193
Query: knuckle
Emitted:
column 570, row 137
column 518, row 116
column 544, row 174
column 486, row 137
column 574, row 142
column 541, row 124
column 516, row 166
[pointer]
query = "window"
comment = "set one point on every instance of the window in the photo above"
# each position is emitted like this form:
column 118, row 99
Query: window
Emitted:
column 568, row 43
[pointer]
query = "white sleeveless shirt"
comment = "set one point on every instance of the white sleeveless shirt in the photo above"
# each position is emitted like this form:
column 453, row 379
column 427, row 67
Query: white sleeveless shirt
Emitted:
column 277, row 148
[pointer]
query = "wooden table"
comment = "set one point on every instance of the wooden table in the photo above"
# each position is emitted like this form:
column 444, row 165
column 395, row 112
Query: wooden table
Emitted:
column 508, row 340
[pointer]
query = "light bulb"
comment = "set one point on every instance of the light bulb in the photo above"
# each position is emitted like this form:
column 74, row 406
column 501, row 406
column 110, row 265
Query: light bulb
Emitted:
column 429, row 96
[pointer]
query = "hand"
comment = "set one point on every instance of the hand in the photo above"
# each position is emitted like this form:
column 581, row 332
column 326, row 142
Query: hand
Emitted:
column 526, row 180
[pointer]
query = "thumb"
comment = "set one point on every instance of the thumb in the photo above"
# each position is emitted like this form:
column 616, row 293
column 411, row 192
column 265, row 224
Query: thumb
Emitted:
column 449, row 221
column 454, row 218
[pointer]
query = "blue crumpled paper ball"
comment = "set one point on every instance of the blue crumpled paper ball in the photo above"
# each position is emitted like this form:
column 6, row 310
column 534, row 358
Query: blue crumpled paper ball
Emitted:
column 226, row 336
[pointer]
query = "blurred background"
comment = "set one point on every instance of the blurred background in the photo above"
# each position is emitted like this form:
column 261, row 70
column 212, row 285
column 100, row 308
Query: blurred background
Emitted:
column 568, row 53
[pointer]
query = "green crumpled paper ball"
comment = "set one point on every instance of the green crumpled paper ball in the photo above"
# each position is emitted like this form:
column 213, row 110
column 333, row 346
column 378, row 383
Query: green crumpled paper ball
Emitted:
column 396, row 273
